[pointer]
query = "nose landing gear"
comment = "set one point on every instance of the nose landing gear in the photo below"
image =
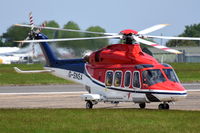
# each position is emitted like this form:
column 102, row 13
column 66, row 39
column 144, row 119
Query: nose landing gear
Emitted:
column 163, row 106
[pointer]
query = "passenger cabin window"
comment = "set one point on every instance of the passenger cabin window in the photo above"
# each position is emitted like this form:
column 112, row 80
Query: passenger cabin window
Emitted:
column 127, row 79
column 109, row 78
column 136, row 79
column 171, row 75
column 118, row 79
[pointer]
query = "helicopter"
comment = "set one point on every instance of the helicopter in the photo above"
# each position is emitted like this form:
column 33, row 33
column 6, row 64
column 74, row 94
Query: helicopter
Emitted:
column 118, row 72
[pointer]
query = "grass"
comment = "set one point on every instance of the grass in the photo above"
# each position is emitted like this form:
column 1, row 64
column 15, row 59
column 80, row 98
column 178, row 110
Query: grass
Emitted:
column 98, row 121
column 187, row 72
column 9, row 77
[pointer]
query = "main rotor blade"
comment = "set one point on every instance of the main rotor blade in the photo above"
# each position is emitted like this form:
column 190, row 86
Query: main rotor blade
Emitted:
column 21, row 43
column 70, row 39
column 60, row 29
column 156, row 45
column 174, row 38
column 153, row 28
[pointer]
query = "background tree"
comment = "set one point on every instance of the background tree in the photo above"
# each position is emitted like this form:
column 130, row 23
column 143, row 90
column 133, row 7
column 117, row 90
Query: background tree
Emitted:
column 65, row 34
column 190, row 31
column 1, row 42
column 95, row 44
column 15, row 33
column 51, row 33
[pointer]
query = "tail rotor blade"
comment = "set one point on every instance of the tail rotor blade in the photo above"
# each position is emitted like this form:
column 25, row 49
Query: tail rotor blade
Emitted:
column 42, row 26
column 22, row 43
column 31, row 20
column 31, row 26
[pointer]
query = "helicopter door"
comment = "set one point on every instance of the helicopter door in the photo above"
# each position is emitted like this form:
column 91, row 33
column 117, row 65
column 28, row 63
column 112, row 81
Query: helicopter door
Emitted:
column 136, row 80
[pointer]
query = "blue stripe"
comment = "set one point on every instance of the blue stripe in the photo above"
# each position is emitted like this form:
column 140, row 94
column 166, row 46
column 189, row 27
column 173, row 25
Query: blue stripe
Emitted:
column 133, row 91
column 77, row 65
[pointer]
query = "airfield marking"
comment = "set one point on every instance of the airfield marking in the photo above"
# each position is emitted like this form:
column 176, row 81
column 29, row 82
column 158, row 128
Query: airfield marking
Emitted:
column 45, row 93
column 193, row 90
column 189, row 84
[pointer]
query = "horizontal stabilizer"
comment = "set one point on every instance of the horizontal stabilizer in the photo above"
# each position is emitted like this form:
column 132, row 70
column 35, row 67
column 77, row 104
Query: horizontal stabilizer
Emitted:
column 193, row 90
column 32, row 71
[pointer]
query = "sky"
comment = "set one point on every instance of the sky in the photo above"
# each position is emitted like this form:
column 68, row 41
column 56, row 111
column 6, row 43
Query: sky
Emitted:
column 113, row 15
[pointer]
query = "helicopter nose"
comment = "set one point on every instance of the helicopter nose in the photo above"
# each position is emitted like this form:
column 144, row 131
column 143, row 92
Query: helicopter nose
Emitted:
column 169, row 91
column 178, row 92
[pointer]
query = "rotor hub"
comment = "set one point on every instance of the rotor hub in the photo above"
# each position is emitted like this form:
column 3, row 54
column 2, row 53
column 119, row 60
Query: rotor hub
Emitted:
column 129, row 31
column 127, row 35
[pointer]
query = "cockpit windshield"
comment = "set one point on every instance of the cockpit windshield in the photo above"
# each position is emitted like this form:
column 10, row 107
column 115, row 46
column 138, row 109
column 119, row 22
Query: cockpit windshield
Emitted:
column 171, row 75
column 151, row 77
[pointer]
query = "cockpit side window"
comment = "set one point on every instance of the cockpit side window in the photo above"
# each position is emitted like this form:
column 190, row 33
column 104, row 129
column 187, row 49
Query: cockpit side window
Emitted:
column 117, row 79
column 109, row 78
column 151, row 77
column 171, row 75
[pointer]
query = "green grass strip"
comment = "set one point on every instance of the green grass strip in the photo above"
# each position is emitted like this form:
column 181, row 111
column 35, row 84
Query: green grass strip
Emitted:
column 187, row 72
column 98, row 121
column 9, row 77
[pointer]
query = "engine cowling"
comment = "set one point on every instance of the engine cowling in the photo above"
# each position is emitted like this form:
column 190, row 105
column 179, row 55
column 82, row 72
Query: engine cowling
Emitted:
column 121, row 54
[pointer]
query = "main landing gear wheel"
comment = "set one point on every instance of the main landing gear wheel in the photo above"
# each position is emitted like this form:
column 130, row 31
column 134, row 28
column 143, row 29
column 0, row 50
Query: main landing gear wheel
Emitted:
column 163, row 106
column 89, row 105
column 142, row 105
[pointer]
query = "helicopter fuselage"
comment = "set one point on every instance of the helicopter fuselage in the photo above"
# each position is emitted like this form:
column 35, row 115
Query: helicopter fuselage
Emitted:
column 122, row 73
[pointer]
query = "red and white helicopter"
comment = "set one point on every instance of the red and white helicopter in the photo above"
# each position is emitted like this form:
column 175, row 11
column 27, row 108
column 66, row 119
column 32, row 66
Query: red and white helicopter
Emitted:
column 118, row 72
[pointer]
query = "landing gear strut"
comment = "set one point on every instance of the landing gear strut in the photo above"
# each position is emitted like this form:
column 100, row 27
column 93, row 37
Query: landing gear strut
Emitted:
column 163, row 106
column 142, row 105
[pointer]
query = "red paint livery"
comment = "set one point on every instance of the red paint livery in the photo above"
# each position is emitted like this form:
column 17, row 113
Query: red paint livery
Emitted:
column 121, row 54
column 125, row 57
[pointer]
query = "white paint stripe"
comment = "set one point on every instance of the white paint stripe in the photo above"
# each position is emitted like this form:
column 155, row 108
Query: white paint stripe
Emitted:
column 160, row 46
column 193, row 90
column 44, row 93
column 190, row 84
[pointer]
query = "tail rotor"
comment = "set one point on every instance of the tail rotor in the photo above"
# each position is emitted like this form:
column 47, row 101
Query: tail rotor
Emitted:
column 30, row 34
column 31, row 20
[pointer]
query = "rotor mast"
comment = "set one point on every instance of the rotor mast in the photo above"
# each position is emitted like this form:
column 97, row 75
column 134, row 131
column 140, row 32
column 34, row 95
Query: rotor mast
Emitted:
column 128, row 36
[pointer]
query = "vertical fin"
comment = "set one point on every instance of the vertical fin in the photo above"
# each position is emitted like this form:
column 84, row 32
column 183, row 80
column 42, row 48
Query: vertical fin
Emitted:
column 51, row 59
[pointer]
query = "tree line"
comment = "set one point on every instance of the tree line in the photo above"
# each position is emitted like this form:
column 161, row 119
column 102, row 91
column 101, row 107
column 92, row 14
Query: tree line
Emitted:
column 20, row 33
column 190, row 31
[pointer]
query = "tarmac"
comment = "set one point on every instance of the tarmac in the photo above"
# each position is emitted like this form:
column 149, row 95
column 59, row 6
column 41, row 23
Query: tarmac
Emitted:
column 68, row 96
